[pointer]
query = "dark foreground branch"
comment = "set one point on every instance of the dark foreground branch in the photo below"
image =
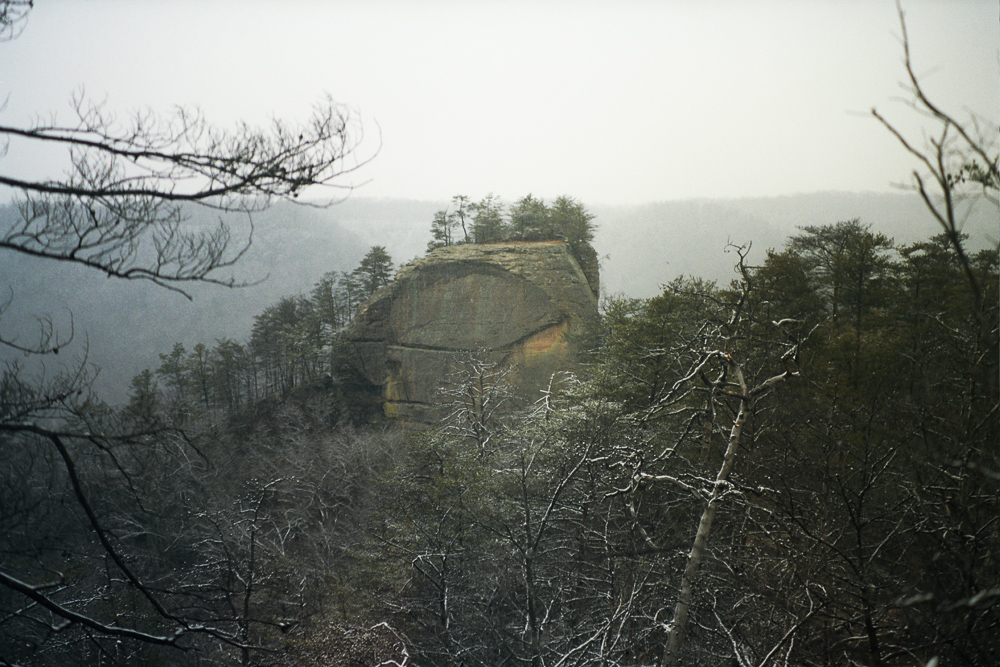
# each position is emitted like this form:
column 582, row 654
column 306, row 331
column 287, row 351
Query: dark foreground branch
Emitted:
column 121, row 207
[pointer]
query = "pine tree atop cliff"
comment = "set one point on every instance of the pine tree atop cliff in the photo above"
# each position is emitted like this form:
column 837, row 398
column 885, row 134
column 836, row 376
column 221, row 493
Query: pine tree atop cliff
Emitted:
column 527, row 219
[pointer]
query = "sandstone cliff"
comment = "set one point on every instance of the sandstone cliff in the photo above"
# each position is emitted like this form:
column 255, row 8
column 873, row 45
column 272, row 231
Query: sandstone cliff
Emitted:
column 524, row 301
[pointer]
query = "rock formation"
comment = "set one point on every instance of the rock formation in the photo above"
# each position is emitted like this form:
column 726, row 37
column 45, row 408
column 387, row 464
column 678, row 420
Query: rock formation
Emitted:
column 522, row 301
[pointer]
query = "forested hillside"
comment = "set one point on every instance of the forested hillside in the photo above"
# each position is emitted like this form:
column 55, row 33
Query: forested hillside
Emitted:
column 641, row 248
column 799, row 467
column 121, row 327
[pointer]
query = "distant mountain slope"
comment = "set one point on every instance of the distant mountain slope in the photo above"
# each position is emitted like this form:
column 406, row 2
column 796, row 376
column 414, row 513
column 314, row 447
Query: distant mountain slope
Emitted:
column 123, row 326
column 646, row 246
column 642, row 247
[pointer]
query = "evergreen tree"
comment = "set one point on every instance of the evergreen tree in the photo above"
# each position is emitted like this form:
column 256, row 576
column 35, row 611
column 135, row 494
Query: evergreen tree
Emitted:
column 488, row 225
column 442, row 230
column 375, row 270
column 529, row 219
column 572, row 222
column 847, row 263
column 144, row 400
column 463, row 211
column 351, row 291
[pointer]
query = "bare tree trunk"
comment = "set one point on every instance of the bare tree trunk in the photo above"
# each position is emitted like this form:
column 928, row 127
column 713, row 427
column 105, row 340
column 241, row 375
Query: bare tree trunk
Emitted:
column 676, row 636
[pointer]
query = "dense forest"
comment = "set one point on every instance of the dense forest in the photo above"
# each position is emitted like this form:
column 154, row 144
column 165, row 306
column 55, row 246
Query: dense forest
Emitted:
column 799, row 467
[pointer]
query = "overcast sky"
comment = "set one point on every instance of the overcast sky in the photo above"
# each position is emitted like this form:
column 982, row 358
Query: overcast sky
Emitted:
column 610, row 102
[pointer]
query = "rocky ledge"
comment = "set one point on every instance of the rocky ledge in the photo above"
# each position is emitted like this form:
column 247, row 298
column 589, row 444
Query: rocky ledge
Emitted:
column 522, row 301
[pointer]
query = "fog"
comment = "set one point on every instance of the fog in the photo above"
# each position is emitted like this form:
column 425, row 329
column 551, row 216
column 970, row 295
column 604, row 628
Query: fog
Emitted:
column 683, row 126
column 613, row 102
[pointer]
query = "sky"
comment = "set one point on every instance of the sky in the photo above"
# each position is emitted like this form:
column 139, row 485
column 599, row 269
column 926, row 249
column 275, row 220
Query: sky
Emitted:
column 612, row 102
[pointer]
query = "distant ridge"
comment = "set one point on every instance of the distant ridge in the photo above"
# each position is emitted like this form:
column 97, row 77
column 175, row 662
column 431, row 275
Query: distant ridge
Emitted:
column 647, row 245
column 641, row 247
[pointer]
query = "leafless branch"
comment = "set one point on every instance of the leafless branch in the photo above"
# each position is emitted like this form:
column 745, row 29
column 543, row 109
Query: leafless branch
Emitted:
column 36, row 593
column 13, row 17
column 958, row 153
column 120, row 209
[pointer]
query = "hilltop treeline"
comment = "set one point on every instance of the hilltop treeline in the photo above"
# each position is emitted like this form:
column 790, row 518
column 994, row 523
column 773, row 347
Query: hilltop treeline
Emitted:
column 489, row 220
column 797, row 468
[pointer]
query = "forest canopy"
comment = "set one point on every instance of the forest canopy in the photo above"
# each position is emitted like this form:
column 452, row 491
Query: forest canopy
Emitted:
column 799, row 466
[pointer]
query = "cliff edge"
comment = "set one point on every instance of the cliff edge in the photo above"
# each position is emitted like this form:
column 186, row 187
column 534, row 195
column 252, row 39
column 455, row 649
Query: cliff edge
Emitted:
column 523, row 301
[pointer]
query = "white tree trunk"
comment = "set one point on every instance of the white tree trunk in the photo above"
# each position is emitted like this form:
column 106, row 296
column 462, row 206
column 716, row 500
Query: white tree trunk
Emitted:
column 675, row 637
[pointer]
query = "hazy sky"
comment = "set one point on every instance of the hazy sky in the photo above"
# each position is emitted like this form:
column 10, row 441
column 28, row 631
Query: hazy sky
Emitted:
column 611, row 102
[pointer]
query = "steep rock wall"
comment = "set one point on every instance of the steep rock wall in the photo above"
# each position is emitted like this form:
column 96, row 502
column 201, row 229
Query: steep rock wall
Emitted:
column 523, row 301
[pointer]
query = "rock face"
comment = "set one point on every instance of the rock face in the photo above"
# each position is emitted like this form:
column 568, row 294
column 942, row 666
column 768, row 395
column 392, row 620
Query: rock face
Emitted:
column 522, row 301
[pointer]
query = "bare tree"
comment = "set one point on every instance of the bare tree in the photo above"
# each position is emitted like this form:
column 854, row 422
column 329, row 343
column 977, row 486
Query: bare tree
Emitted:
column 121, row 209
column 476, row 396
column 959, row 160
column 746, row 396
column 716, row 373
